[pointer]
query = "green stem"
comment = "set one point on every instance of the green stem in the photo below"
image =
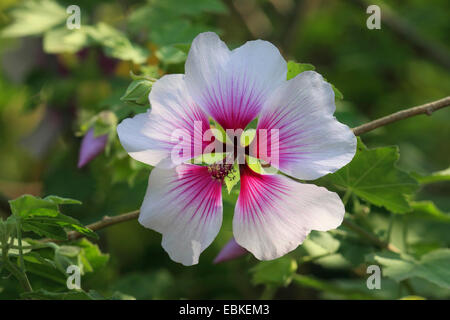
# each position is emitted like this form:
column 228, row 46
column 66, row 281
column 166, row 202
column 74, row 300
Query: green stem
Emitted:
column 268, row 293
column 19, row 275
column 16, row 272
column 346, row 197
column 369, row 236
column 405, row 234
column 141, row 77
column 19, row 242
column 407, row 284
column 390, row 226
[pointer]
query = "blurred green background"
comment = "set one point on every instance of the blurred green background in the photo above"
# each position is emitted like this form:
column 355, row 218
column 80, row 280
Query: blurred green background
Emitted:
column 52, row 84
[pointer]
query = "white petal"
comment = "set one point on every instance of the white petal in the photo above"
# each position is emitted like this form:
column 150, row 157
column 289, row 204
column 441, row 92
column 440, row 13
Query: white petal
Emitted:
column 274, row 214
column 152, row 137
column 232, row 86
column 312, row 143
column 185, row 205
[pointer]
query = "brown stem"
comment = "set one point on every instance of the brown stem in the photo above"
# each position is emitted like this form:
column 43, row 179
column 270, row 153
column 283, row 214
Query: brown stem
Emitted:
column 105, row 222
column 427, row 109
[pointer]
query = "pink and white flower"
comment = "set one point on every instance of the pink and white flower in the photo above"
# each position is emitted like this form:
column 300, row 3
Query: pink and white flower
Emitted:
column 273, row 213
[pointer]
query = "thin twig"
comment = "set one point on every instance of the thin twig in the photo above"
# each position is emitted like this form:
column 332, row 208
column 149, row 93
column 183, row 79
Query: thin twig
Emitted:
column 105, row 222
column 19, row 274
column 427, row 109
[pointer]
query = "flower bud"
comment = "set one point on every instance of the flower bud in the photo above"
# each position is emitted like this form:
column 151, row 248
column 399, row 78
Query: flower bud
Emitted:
column 91, row 146
column 230, row 251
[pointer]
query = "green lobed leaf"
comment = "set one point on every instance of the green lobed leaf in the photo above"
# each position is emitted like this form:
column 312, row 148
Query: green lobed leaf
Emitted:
column 433, row 266
column 104, row 123
column 333, row 250
column 277, row 272
column 60, row 200
column 66, row 256
column 52, row 260
column 295, row 68
column 154, row 284
column 170, row 55
column 116, row 44
column 91, row 256
column 65, row 40
column 41, row 263
column 28, row 205
column 35, row 17
column 353, row 251
column 373, row 176
column 192, row 7
column 34, row 257
column 184, row 47
column 53, row 226
column 138, row 91
column 43, row 294
column 428, row 209
column 438, row 176
column 173, row 21
column 337, row 93
column 45, row 230
column 47, row 271
column 320, row 243
column 327, row 286
column 86, row 255
column 178, row 30
column 42, row 216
